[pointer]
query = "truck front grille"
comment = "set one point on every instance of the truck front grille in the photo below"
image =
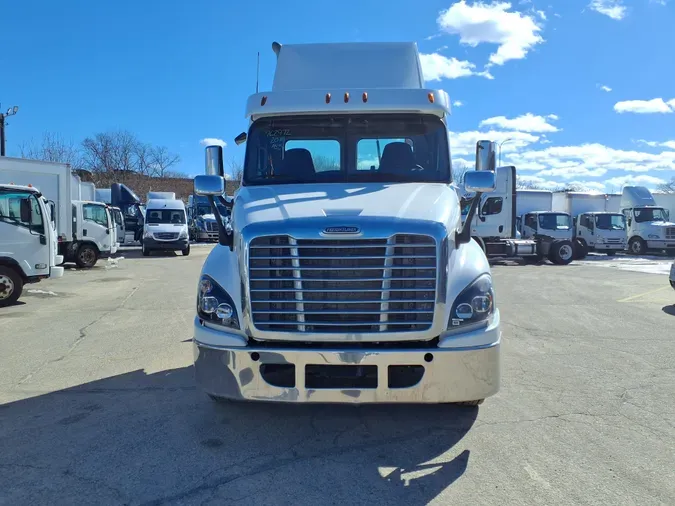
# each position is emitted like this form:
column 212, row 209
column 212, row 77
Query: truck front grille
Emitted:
column 670, row 233
column 166, row 236
column 211, row 226
column 344, row 285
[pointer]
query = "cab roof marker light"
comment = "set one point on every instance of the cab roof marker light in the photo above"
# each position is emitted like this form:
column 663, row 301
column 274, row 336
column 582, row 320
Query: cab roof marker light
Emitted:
column 346, row 97
column 431, row 98
column 263, row 100
column 364, row 97
column 328, row 98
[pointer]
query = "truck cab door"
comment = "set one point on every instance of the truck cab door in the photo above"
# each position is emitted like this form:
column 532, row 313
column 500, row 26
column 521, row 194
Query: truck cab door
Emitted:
column 118, row 219
column 97, row 226
column 586, row 229
column 491, row 219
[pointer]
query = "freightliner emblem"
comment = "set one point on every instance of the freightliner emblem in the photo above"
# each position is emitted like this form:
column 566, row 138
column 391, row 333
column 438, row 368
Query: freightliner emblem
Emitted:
column 341, row 230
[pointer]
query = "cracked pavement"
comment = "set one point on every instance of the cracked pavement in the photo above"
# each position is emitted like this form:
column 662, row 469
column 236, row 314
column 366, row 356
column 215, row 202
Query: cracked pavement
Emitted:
column 98, row 404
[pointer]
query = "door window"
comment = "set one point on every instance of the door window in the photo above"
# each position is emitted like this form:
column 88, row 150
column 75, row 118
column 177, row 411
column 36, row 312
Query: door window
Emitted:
column 531, row 221
column 10, row 211
column 96, row 214
column 493, row 205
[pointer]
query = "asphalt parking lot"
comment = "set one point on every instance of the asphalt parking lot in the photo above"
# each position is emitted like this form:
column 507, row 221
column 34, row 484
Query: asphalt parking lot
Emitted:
column 98, row 403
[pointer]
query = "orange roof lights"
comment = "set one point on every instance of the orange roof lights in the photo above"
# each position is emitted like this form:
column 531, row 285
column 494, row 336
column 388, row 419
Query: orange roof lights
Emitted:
column 431, row 98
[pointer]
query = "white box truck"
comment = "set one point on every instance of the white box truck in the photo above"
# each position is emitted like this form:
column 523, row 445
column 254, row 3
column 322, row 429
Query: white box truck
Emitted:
column 86, row 230
column 648, row 226
column 344, row 273
column 28, row 242
column 595, row 227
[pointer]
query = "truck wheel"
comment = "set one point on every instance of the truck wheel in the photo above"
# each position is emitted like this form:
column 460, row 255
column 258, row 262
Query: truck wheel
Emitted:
column 11, row 286
column 477, row 402
column 186, row 251
column 580, row 249
column 562, row 253
column 145, row 251
column 637, row 246
column 86, row 256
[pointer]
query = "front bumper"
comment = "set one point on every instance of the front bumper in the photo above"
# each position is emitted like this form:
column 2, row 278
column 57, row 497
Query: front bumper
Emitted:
column 450, row 374
column 609, row 247
column 56, row 272
column 178, row 244
column 661, row 244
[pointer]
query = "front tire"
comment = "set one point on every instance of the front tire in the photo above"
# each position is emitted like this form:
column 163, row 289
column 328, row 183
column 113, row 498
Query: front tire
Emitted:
column 637, row 246
column 562, row 253
column 186, row 251
column 144, row 250
column 86, row 256
column 11, row 286
column 580, row 249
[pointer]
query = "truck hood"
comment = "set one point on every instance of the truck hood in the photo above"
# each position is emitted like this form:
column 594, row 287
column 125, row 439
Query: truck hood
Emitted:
column 432, row 202
column 659, row 224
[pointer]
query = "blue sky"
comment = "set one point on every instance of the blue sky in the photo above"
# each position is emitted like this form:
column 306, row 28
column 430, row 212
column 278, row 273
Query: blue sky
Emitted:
column 176, row 72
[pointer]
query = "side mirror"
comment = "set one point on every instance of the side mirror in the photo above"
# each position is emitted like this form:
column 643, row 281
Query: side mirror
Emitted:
column 240, row 139
column 214, row 161
column 209, row 185
column 479, row 181
column 26, row 211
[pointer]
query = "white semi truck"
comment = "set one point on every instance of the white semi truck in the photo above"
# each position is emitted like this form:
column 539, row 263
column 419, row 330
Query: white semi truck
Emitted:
column 344, row 273
column 505, row 212
column 595, row 228
column 28, row 242
column 648, row 226
column 86, row 230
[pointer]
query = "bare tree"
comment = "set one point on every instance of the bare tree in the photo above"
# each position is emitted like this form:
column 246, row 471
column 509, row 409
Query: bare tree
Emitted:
column 161, row 160
column 524, row 184
column 52, row 148
column 668, row 187
column 459, row 168
column 110, row 154
column 236, row 169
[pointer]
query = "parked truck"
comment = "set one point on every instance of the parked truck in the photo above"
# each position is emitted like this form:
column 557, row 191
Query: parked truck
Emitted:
column 594, row 227
column 165, row 226
column 648, row 225
column 511, row 224
column 86, row 230
column 28, row 242
column 344, row 273
column 201, row 220
column 131, row 208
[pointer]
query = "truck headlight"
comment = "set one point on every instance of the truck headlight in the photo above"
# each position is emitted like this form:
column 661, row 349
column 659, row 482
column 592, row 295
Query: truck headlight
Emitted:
column 183, row 234
column 474, row 305
column 147, row 234
column 214, row 305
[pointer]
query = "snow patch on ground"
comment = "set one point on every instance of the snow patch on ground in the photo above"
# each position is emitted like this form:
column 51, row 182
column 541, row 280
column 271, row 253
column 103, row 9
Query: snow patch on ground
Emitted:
column 646, row 264
column 37, row 291
column 113, row 262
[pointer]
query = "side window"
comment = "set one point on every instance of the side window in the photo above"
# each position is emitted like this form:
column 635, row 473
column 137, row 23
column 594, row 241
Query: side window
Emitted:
column 10, row 211
column 309, row 157
column 531, row 221
column 493, row 205
column 369, row 152
column 95, row 213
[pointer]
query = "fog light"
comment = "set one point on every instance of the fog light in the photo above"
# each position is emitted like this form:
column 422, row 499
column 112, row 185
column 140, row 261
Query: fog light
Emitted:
column 209, row 305
column 223, row 311
column 464, row 311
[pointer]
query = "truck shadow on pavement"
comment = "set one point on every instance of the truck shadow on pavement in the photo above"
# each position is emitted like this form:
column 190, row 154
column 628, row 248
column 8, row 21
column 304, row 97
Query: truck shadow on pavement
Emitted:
column 669, row 309
column 142, row 438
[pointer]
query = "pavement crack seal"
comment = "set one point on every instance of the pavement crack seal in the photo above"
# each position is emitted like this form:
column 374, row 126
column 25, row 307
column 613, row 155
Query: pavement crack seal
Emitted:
column 83, row 333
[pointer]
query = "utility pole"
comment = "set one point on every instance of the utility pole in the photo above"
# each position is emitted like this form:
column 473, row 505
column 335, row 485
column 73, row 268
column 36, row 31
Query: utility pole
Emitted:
column 10, row 112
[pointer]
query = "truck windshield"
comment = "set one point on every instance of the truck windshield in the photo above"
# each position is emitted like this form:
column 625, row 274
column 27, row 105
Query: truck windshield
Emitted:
column 10, row 210
column 335, row 149
column 175, row 216
column 554, row 221
column 610, row 222
column 650, row 214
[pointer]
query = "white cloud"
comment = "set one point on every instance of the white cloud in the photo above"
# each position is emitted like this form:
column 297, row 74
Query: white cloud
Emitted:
column 464, row 143
column 654, row 144
column 655, row 105
column 542, row 15
column 525, row 123
column 642, row 179
column 213, row 141
column 514, row 32
column 436, row 67
column 458, row 103
column 571, row 172
column 611, row 8
column 604, row 87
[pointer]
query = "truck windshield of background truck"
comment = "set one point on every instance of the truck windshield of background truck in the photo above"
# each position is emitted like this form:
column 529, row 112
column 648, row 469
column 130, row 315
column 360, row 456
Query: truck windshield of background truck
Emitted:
column 553, row 221
column 175, row 216
column 10, row 210
column 610, row 221
column 96, row 213
column 203, row 209
column 337, row 149
column 644, row 215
